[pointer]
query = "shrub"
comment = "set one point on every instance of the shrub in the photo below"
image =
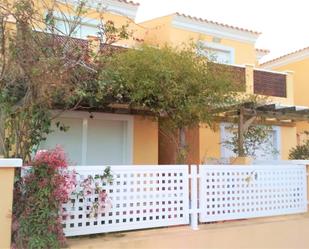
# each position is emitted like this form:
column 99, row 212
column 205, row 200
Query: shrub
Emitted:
column 38, row 198
column 300, row 152
column 40, row 193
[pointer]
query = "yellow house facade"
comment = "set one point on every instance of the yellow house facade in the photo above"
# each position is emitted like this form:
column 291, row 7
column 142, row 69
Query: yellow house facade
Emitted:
column 106, row 138
column 229, row 45
column 298, row 62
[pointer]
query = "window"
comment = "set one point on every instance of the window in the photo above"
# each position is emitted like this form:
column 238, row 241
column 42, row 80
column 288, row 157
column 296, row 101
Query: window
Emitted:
column 217, row 52
column 219, row 56
column 84, row 27
column 81, row 31
column 264, row 152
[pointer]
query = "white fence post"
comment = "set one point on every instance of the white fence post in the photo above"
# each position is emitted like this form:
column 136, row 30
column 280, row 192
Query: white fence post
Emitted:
column 194, row 201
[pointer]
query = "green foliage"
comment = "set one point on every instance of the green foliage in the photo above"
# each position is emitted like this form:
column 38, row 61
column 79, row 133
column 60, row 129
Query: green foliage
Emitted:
column 170, row 82
column 175, row 84
column 300, row 152
column 257, row 137
column 178, row 85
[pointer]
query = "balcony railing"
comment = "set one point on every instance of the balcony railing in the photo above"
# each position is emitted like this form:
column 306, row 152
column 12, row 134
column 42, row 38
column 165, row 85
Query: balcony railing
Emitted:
column 270, row 83
column 246, row 78
column 252, row 80
column 273, row 84
column 235, row 74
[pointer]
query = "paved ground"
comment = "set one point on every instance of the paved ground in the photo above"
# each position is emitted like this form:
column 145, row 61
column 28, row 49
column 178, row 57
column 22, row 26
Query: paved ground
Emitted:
column 279, row 232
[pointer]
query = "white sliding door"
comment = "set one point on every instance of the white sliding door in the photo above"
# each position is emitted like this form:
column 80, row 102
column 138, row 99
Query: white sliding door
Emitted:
column 106, row 142
column 70, row 141
column 104, row 139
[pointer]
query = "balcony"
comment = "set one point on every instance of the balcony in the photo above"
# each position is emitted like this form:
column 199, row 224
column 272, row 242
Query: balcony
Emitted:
column 278, row 86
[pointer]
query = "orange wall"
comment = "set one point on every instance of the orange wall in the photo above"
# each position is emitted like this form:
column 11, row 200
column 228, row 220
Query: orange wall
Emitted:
column 210, row 140
column 167, row 148
column 288, row 141
column 302, row 127
column 6, row 193
column 301, row 80
column 193, row 139
column 145, row 141
column 301, row 90
column 203, row 143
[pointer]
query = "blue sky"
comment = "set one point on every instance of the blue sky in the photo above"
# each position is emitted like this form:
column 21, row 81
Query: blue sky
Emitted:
column 284, row 24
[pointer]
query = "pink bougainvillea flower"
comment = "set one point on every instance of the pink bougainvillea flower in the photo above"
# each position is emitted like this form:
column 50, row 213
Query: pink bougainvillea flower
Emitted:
column 55, row 158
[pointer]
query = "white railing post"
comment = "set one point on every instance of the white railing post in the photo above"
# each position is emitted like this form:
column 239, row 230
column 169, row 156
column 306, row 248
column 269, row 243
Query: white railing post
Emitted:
column 194, row 201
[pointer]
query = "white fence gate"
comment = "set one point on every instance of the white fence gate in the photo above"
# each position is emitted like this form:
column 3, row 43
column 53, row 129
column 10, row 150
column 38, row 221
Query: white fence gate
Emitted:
column 236, row 192
column 140, row 196
column 157, row 196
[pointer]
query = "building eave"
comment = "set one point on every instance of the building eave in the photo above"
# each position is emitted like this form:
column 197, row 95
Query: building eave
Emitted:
column 204, row 26
column 118, row 7
column 286, row 59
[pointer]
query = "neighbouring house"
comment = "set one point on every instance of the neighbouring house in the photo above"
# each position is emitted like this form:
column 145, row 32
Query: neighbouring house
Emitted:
column 298, row 63
column 233, row 46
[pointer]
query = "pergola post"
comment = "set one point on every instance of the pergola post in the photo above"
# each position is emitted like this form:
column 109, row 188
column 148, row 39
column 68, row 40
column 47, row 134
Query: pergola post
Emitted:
column 243, row 126
column 241, row 151
column 7, row 170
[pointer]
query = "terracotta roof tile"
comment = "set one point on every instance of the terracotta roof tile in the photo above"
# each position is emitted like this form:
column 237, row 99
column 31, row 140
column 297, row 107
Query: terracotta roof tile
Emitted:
column 286, row 55
column 217, row 23
column 129, row 2
column 262, row 50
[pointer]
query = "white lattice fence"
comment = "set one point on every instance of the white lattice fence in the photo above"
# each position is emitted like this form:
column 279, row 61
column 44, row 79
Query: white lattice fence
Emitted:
column 236, row 192
column 140, row 197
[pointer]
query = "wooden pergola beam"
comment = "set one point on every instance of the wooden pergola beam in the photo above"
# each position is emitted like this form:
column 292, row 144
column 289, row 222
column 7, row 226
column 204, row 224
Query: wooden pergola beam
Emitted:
column 258, row 121
column 267, row 107
column 277, row 114
column 287, row 109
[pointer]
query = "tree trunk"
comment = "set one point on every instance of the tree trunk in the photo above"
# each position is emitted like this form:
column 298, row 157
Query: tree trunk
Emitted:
column 182, row 148
column 2, row 136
